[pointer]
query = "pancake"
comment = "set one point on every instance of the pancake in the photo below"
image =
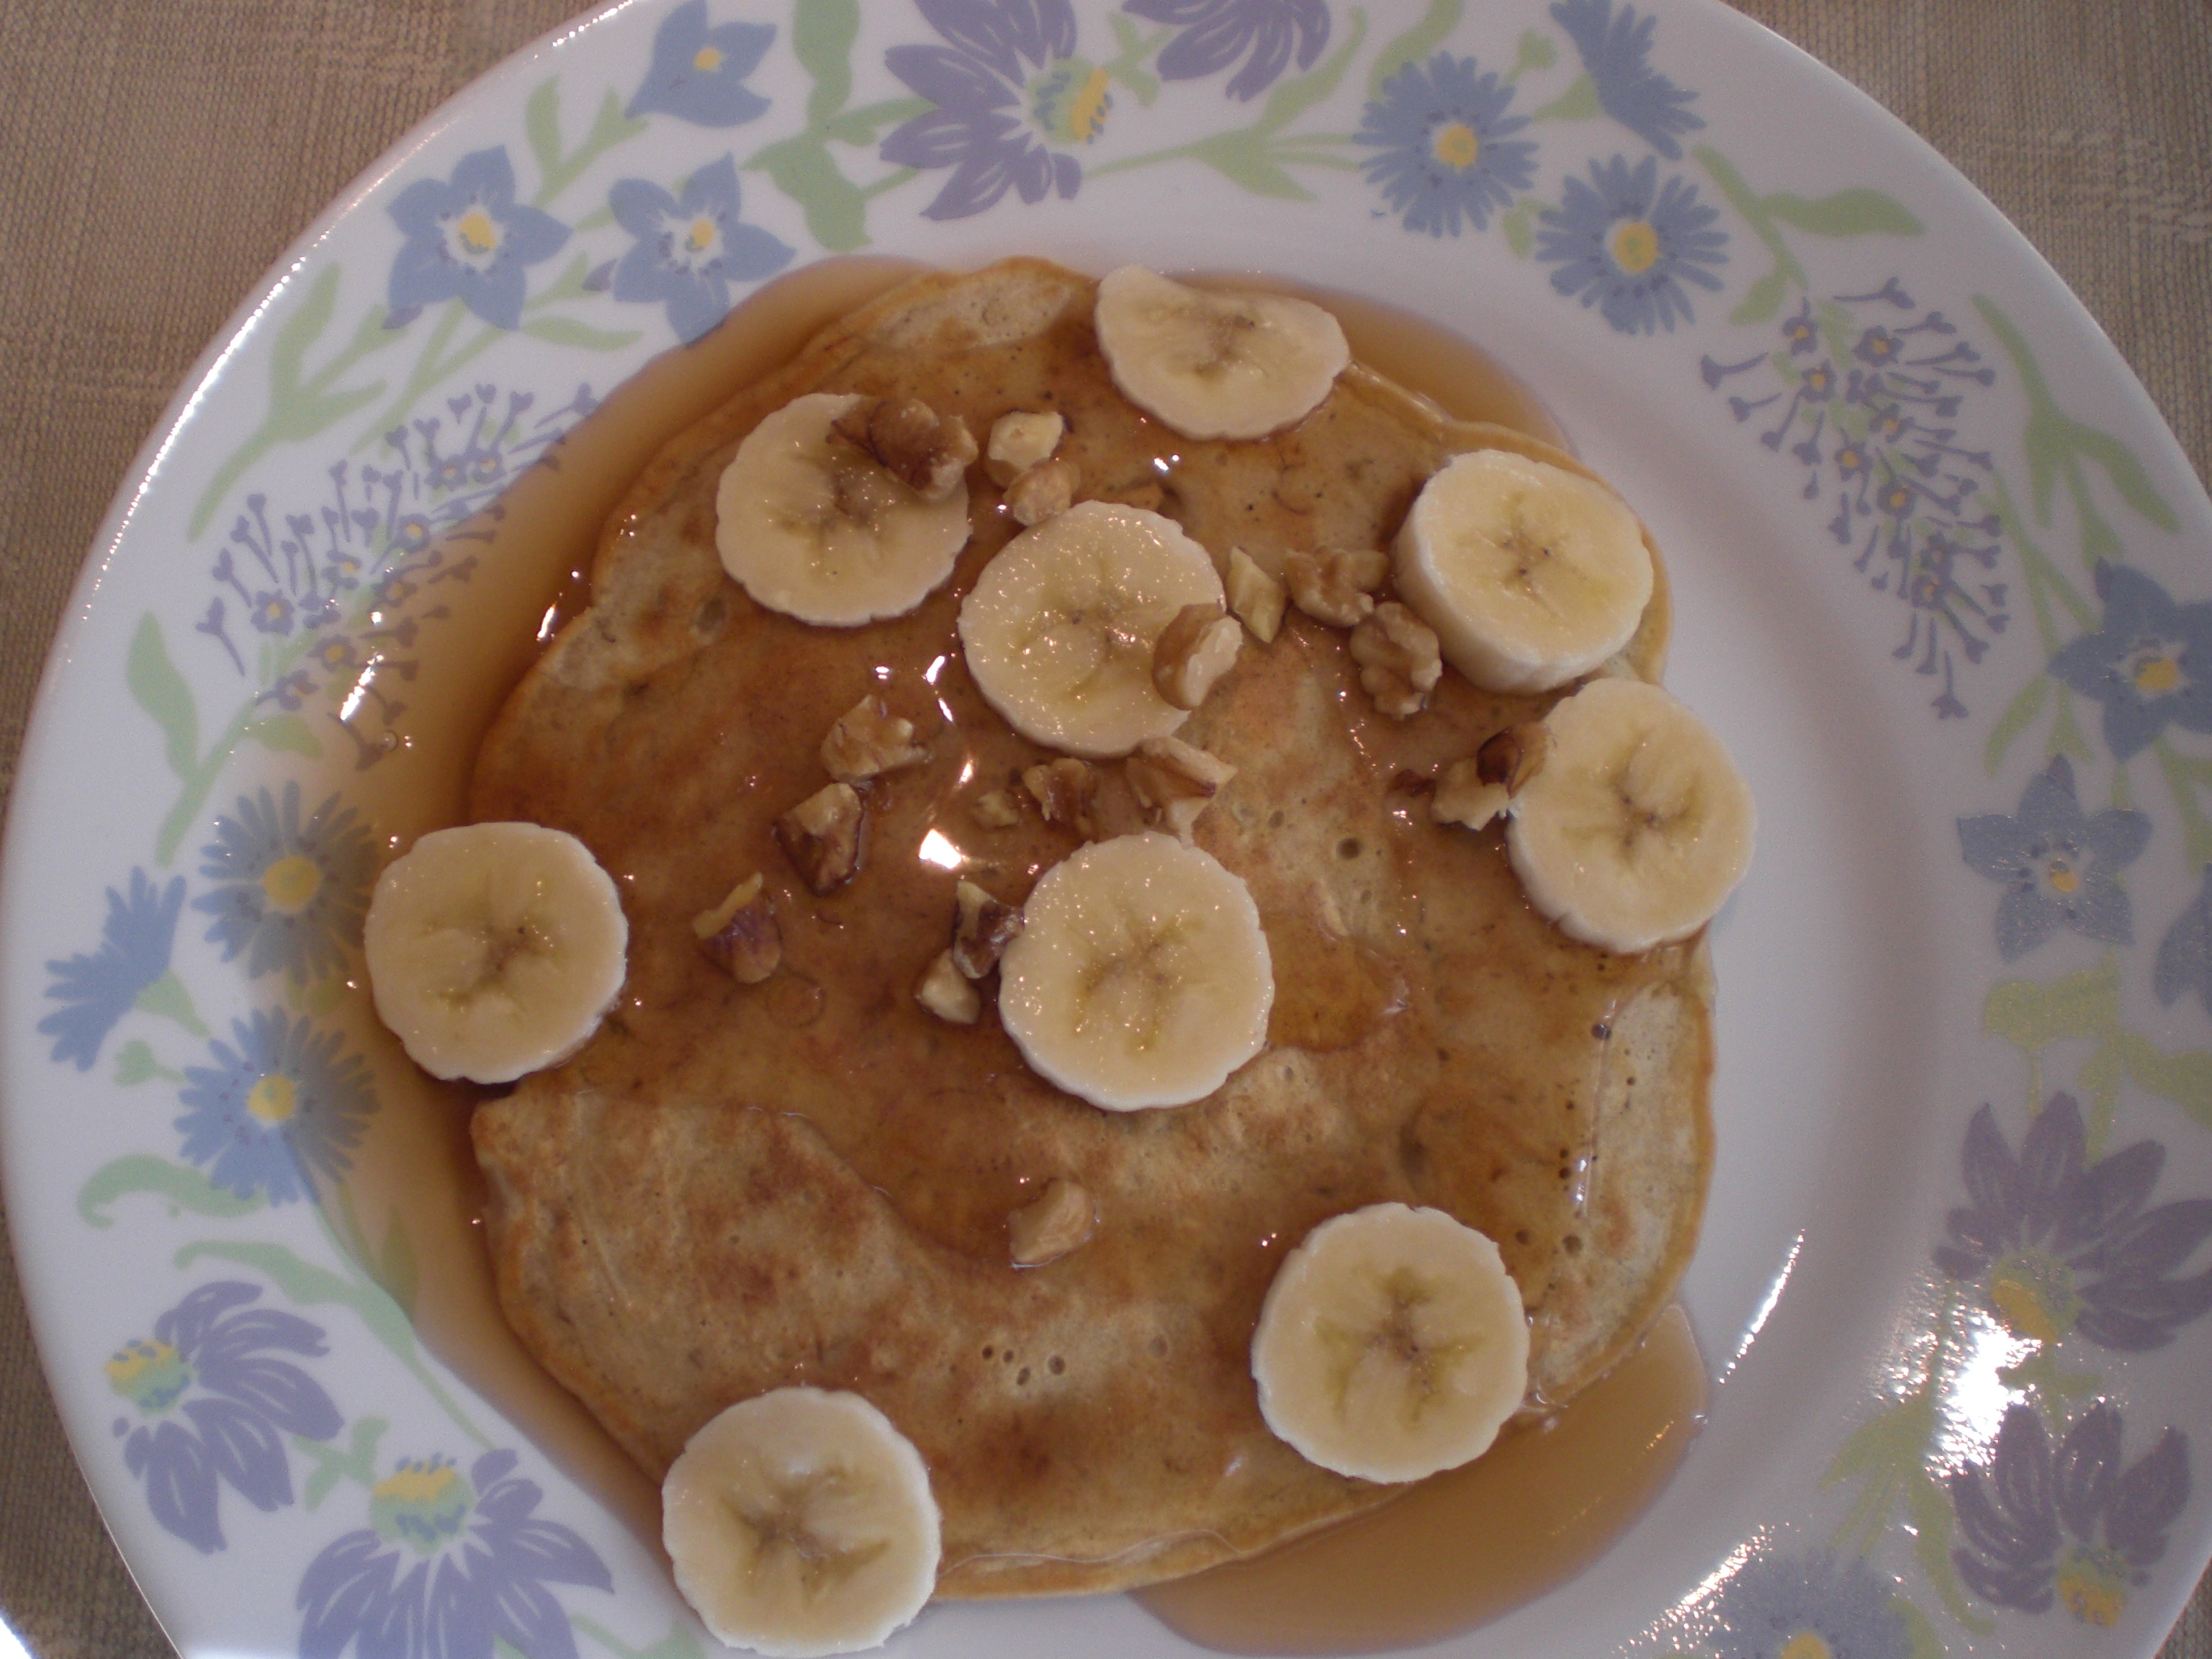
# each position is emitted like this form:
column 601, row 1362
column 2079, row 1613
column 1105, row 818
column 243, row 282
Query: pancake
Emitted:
column 735, row 1187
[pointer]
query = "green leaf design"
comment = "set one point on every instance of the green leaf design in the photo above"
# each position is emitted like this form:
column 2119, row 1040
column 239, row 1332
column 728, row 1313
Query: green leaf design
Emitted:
column 2183, row 1079
column 822, row 36
column 286, row 734
column 1844, row 213
column 1293, row 98
column 180, row 1186
column 2126, row 473
column 1241, row 158
column 1885, row 1452
column 1927, row 1514
column 395, row 1266
column 1418, row 42
column 1920, row 1637
column 2032, row 1017
column 312, row 1287
column 1579, row 102
column 156, row 687
column 1520, row 235
column 568, row 331
column 2020, row 713
column 135, row 1064
column 168, row 998
column 836, row 213
column 358, row 1462
column 541, row 121
column 1762, row 299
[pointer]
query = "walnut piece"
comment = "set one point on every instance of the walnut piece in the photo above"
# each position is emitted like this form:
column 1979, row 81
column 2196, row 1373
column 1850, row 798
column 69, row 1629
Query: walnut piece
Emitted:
column 1064, row 791
column 1462, row 796
column 1044, row 489
column 1399, row 663
column 928, row 451
column 1254, row 596
column 1062, row 1218
column 821, row 836
column 982, row 928
column 1336, row 584
column 1194, row 650
column 1174, row 780
column 996, row 811
column 866, row 742
column 739, row 934
column 946, row 992
column 1019, row 440
column 1513, row 756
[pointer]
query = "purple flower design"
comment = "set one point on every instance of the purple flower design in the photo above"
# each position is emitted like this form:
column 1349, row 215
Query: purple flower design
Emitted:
column 1442, row 129
column 2079, row 1521
column 1626, row 244
column 2184, row 955
column 469, row 240
column 698, row 73
column 283, row 1107
column 2150, row 664
column 2056, row 864
column 1215, row 33
column 448, row 1566
column 96, row 991
column 212, row 1364
column 1008, row 82
column 1616, row 51
column 690, row 248
column 2060, row 1244
column 290, row 895
column 1772, row 1606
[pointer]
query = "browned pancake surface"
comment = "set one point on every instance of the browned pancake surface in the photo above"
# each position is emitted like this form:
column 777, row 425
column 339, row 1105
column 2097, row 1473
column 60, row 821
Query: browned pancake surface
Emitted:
column 735, row 1188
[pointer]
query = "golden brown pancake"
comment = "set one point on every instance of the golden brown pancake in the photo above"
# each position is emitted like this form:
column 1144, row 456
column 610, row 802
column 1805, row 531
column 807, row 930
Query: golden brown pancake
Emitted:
column 735, row 1188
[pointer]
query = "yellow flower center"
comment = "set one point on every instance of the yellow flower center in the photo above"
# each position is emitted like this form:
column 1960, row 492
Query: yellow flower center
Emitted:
column 1087, row 111
column 1636, row 246
column 417, row 1485
column 478, row 233
column 1807, row 1644
column 273, row 1099
column 291, row 884
column 1457, row 146
column 2157, row 674
column 2022, row 1311
column 707, row 59
column 134, row 1361
column 2062, row 877
column 702, row 236
column 2093, row 1596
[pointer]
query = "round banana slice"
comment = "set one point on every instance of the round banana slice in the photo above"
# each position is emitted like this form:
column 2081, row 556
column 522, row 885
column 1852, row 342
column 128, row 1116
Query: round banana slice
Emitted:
column 1391, row 1345
column 1061, row 629
column 1638, row 825
column 1530, row 574
column 800, row 1523
column 494, row 949
column 1141, row 976
column 815, row 527
column 1216, row 365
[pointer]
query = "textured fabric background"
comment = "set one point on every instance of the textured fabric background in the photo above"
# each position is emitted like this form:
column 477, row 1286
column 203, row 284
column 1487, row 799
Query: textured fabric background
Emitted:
column 158, row 156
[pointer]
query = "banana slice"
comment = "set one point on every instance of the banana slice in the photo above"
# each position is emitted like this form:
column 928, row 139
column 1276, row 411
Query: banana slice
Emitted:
column 1141, row 976
column 1216, row 365
column 813, row 525
column 1530, row 574
column 1391, row 1345
column 494, row 949
column 1060, row 628
column 800, row 1523
column 1638, row 825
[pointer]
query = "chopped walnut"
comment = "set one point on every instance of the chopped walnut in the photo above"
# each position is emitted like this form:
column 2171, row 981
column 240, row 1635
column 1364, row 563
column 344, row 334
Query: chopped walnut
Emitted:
column 1019, row 440
column 1398, row 659
column 1044, row 489
column 1062, row 1218
column 928, row 452
column 866, row 742
column 1064, row 791
column 1513, row 756
column 982, row 928
column 821, row 836
column 1174, row 780
column 1194, row 650
column 739, row 934
column 996, row 811
column 946, row 992
column 1462, row 796
column 1336, row 584
column 1254, row 596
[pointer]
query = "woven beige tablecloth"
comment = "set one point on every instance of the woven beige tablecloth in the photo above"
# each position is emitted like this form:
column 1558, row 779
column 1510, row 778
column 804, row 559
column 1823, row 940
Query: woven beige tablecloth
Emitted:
column 158, row 156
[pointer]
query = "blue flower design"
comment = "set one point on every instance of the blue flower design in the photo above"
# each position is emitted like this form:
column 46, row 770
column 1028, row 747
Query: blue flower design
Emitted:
column 698, row 73
column 2150, row 664
column 2056, row 863
column 213, row 1365
column 1616, row 49
column 690, row 248
column 1007, row 83
column 2184, row 955
column 2060, row 1244
column 283, row 1107
column 1215, row 33
column 1772, row 1605
column 468, row 239
column 1442, row 129
column 97, row 990
column 2032, row 1520
column 1627, row 244
column 449, row 1565
column 290, row 895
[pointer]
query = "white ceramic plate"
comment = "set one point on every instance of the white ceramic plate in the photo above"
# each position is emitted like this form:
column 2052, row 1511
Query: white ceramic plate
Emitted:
column 1941, row 584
